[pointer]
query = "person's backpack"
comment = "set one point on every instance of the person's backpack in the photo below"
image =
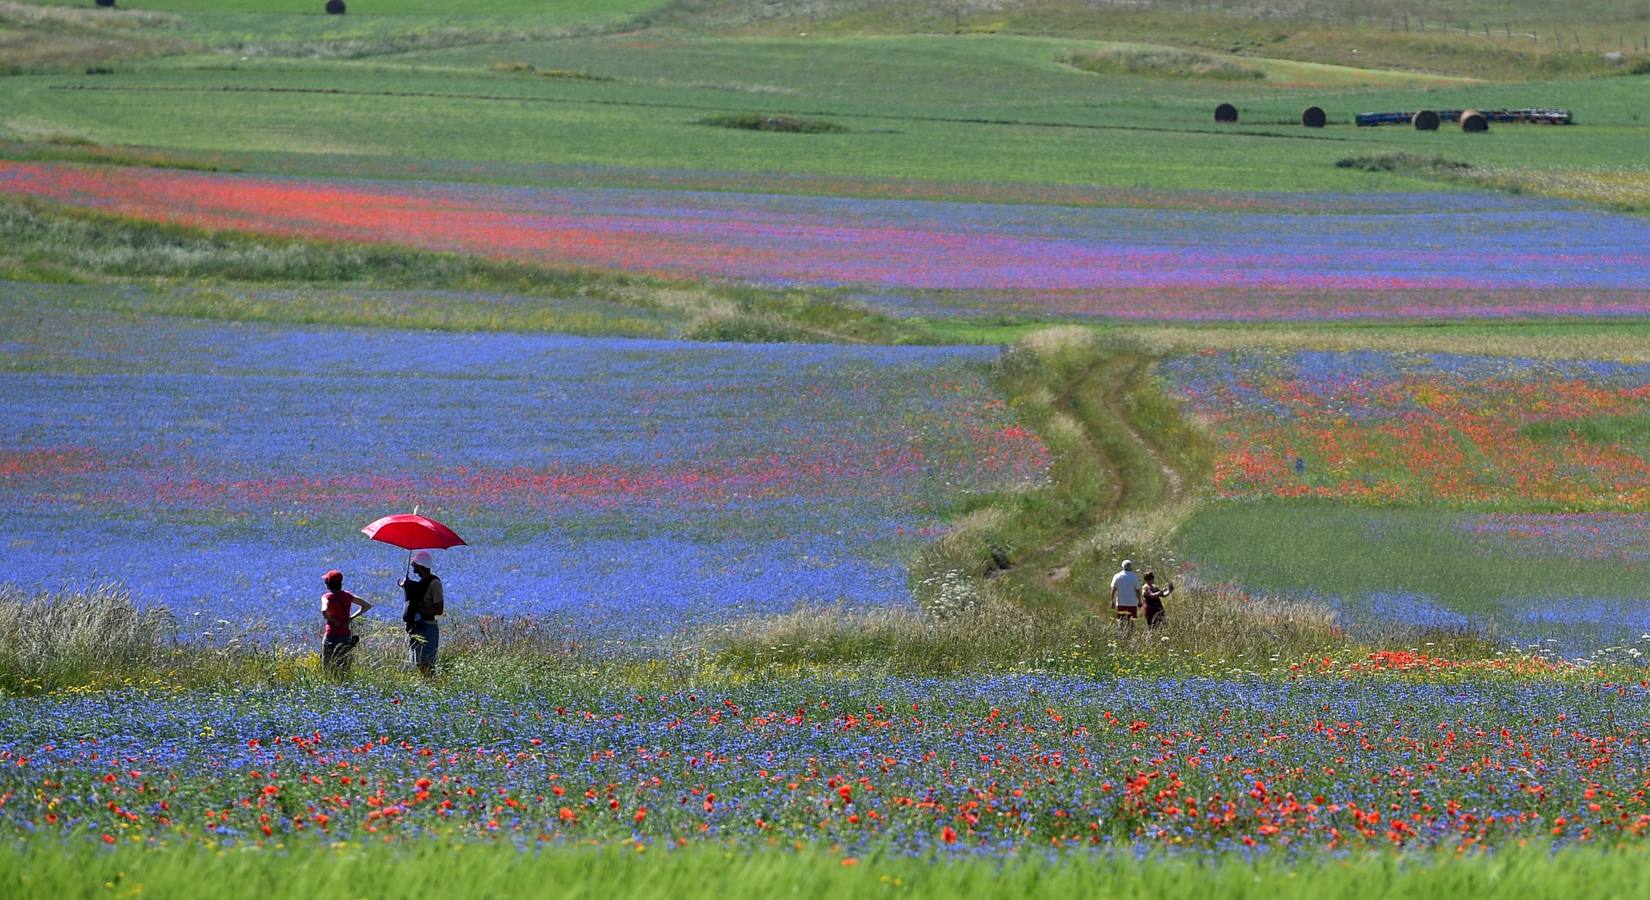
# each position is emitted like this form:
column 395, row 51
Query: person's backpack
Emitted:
column 414, row 592
column 432, row 606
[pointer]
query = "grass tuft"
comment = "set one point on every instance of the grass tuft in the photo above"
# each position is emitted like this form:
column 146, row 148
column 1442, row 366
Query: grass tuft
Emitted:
column 522, row 68
column 1607, row 429
column 1161, row 63
column 1212, row 630
column 36, row 38
column 784, row 124
column 1404, row 163
column 390, row 43
column 49, row 640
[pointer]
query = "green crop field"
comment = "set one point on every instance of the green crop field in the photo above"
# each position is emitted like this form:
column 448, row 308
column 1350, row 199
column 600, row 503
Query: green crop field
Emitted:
column 710, row 873
column 979, row 106
column 1302, row 549
column 914, row 107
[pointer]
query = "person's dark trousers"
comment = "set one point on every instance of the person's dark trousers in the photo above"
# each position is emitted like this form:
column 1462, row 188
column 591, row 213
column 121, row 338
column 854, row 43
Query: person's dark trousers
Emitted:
column 335, row 654
column 423, row 640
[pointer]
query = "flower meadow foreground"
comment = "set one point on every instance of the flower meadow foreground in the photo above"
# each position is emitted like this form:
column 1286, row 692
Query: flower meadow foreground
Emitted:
column 1348, row 758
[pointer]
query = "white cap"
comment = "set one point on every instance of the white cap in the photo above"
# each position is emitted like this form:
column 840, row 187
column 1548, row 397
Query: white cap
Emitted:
column 422, row 558
column 1128, row 565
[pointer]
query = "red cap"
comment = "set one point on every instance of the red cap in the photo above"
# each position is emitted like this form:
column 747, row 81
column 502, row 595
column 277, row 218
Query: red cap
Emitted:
column 332, row 575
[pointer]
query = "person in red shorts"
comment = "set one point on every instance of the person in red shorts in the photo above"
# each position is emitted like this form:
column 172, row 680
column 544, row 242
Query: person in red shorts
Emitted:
column 337, row 641
column 1125, row 595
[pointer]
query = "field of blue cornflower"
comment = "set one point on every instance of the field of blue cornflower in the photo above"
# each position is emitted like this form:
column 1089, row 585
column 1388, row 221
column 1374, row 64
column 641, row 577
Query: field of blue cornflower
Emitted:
column 625, row 488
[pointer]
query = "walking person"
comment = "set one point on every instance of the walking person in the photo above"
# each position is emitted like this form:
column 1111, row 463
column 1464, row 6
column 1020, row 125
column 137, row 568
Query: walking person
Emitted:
column 336, row 640
column 425, row 601
column 1125, row 595
column 1153, row 596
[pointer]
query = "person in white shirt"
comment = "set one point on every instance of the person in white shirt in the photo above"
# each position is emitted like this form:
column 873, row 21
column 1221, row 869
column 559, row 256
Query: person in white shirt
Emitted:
column 1125, row 593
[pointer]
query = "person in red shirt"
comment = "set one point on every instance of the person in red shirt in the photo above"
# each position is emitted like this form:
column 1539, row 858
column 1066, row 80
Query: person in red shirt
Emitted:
column 337, row 641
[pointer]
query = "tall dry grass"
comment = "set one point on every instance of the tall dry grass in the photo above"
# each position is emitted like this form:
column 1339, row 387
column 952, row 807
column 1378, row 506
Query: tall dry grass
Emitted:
column 55, row 638
column 100, row 638
column 1208, row 631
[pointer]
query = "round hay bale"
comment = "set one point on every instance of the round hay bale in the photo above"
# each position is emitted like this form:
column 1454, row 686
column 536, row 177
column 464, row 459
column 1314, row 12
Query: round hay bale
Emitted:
column 1313, row 117
column 106, row 4
column 1425, row 120
column 1225, row 112
column 1473, row 121
column 335, row 7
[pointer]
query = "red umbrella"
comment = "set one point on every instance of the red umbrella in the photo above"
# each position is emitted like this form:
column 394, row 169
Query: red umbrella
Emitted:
column 411, row 531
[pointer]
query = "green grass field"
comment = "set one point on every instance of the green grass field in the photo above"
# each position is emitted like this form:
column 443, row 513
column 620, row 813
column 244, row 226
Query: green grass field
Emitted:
column 617, row 872
column 1328, row 550
column 1069, row 136
column 977, row 107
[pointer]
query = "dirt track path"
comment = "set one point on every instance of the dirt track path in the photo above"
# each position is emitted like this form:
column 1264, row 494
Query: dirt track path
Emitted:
column 1174, row 484
column 1105, row 384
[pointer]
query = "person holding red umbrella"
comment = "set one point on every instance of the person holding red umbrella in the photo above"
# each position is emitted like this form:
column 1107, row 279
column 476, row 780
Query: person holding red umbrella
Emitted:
column 425, row 601
column 425, row 598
